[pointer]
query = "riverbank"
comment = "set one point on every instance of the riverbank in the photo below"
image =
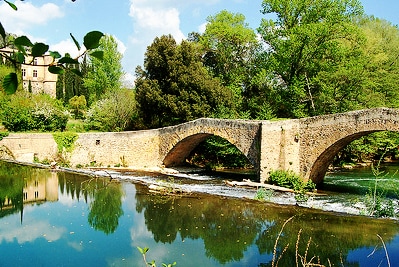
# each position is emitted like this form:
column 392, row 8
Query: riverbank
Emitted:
column 187, row 182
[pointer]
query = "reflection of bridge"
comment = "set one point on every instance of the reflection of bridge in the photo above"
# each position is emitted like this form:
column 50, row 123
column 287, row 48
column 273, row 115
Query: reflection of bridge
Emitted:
column 306, row 146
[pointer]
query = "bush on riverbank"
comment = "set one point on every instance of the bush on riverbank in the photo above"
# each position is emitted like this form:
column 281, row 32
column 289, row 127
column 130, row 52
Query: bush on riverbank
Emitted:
column 29, row 112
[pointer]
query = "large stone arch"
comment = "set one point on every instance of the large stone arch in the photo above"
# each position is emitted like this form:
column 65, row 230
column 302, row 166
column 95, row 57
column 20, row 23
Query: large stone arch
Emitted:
column 323, row 136
column 182, row 150
column 177, row 142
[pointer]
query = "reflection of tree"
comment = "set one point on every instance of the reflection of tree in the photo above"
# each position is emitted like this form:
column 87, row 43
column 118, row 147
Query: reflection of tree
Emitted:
column 105, row 198
column 227, row 230
column 331, row 237
column 229, row 226
column 106, row 208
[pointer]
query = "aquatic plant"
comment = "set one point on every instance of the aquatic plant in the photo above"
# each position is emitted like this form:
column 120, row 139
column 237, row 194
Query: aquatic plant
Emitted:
column 377, row 204
column 144, row 251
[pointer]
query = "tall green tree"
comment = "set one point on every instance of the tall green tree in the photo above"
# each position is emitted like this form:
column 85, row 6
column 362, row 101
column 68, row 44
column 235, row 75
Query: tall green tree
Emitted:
column 175, row 87
column 230, row 48
column 306, row 38
column 382, row 62
column 69, row 84
column 104, row 74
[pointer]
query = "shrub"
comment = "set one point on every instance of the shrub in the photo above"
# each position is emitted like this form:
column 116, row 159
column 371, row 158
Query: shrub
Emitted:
column 27, row 112
column 117, row 112
column 292, row 180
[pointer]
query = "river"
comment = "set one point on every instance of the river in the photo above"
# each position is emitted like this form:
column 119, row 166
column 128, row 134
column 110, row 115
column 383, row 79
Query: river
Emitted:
column 71, row 219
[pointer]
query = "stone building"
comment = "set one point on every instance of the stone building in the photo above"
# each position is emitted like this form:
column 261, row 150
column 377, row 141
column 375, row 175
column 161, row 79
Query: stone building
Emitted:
column 38, row 76
column 35, row 74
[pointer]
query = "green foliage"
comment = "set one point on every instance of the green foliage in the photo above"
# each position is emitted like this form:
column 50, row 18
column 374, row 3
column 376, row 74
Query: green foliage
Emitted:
column 105, row 70
column 144, row 251
column 376, row 202
column 216, row 152
column 78, row 104
column 106, row 208
column 65, row 140
column 69, row 84
column 306, row 39
column 25, row 112
column 292, row 180
column 23, row 48
column 229, row 50
column 3, row 134
column 370, row 147
column 175, row 87
column 116, row 112
column 23, row 45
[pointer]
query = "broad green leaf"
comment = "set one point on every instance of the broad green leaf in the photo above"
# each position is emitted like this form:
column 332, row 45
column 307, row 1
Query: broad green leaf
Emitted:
column 10, row 83
column 55, row 54
column 92, row 39
column 21, row 50
column 68, row 60
column 75, row 41
column 23, row 41
column 77, row 72
column 11, row 5
column 2, row 32
column 55, row 70
column 97, row 54
column 20, row 57
column 39, row 49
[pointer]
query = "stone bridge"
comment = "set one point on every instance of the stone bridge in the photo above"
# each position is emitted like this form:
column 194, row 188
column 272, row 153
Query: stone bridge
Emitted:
column 306, row 146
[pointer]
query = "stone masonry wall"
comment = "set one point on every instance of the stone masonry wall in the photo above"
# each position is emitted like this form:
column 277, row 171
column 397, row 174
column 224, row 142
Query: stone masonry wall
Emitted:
column 135, row 149
column 26, row 146
column 279, row 147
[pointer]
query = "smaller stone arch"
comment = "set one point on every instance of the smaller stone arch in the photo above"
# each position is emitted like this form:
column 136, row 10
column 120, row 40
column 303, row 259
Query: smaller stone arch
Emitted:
column 320, row 166
column 323, row 136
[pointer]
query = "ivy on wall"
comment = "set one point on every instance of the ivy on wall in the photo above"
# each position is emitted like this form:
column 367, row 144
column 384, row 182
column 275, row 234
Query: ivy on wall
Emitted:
column 65, row 140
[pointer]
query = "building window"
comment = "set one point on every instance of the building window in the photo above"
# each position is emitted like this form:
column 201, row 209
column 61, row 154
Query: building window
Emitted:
column 23, row 72
column 35, row 73
column 35, row 61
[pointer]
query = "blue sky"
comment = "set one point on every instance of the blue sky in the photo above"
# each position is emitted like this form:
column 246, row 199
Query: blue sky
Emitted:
column 135, row 23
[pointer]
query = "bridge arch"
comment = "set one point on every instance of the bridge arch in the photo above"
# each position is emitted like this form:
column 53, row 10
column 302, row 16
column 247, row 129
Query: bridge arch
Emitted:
column 182, row 150
column 177, row 142
column 322, row 137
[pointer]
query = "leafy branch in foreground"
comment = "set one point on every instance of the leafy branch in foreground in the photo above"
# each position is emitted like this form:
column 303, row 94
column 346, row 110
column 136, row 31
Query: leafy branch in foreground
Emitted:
column 21, row 51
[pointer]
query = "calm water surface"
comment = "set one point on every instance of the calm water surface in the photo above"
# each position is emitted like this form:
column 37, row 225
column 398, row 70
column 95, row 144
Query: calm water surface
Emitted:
column 66, row 219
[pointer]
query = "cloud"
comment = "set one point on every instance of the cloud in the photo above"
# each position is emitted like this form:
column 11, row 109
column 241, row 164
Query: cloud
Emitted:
column 30, row 232
column 65, row 46
column 151, row 21
column 27, row 16
column 152, row 18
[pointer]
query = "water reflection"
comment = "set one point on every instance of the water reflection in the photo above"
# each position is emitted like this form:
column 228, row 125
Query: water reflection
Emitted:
column 98, row 222
column 229, row 228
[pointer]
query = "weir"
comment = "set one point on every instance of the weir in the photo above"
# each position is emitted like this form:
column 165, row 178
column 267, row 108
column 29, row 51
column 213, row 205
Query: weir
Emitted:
column 306, row 146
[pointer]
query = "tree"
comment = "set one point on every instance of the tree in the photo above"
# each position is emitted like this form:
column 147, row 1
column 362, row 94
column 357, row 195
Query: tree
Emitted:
column 381, row 63
column 306, row 38
column 230, row 48
column 174, row 86
column 78, row 104
column 104, row 75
